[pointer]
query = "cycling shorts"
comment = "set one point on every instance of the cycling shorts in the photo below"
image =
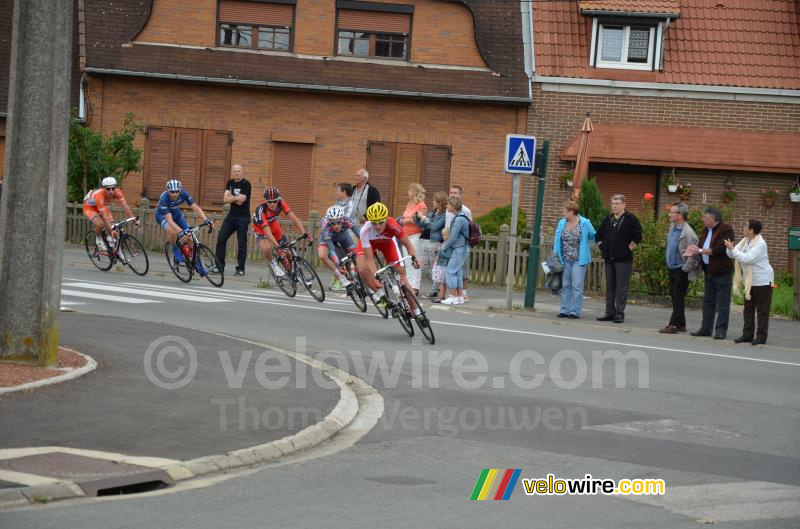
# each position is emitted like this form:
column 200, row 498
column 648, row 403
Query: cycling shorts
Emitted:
column 179, row 219
column 282, row 240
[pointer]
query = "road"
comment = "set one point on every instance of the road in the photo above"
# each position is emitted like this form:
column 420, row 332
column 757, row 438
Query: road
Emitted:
column 721, row 429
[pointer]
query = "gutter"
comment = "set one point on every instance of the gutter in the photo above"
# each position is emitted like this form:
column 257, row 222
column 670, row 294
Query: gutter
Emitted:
column 627, row 14
column 311, row 87
column 527, row 43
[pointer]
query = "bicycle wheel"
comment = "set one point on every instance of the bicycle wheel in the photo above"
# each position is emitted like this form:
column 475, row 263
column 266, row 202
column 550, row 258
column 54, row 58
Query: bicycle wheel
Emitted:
column 100, row 258
column 181, row 269
column 208, row 261
column 135, row 254
column 285, row 283
column 399, row 307
column 422, row 320
column 356, row 291
column 308, row 277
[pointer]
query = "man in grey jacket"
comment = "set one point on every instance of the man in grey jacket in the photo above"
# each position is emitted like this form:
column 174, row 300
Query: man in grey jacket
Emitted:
column 682, row 268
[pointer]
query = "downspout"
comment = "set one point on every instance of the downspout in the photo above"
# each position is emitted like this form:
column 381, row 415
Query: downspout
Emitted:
column 527, row 42
column 663, row 41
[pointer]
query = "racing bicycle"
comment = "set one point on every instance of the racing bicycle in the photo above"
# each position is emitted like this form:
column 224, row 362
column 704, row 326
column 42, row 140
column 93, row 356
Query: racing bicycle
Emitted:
column 125, row 249
column 197, row 257
column 296, row 271
column 399, row 297
column 357, row 290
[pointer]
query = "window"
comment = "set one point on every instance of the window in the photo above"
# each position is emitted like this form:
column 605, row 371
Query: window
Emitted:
column 256, row 25
column 625, row 46
column 374, row 33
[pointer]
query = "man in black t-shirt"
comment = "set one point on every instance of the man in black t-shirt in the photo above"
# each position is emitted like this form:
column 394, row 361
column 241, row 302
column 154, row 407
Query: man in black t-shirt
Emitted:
column 237, row 194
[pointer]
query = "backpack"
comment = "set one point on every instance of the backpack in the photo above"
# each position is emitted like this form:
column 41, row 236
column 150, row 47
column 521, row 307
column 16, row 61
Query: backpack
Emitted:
column 474, row 232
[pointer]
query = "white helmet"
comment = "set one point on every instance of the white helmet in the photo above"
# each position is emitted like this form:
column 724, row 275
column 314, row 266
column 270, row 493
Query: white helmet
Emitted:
column 109, row 181
column 335, row 212
column 174, row 185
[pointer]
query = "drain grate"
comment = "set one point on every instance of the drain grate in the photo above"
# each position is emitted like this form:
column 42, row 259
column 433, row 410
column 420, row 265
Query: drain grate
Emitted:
column 95, row 476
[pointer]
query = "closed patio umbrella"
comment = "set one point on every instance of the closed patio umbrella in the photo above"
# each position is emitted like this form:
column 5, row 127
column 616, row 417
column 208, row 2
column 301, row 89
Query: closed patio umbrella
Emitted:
column 582, row 157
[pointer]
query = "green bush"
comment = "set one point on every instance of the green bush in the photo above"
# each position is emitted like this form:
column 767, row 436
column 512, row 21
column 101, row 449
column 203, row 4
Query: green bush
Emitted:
column 782, row 301
column 491, row 222
column 590, row 203
column 650, row 274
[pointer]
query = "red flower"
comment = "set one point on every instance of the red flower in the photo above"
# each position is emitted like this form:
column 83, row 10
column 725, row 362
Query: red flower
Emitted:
column 649, row 196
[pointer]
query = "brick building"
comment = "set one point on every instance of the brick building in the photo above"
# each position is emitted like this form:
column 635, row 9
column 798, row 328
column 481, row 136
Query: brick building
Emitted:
column 303, row 93
column 710, row 89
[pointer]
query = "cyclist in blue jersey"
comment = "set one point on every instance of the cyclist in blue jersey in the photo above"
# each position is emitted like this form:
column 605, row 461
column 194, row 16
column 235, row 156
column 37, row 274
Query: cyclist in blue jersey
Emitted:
column 170, row 217
column 335, row 232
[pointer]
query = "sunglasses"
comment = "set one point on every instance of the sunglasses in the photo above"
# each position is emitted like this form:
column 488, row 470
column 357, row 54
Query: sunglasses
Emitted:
column 110, row 188
column 336, row 222
column 174, row 192
column 272, row 201
column 379, row 222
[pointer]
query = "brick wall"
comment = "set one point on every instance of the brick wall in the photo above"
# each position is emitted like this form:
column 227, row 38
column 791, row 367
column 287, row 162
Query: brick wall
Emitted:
column 315, row 23
column 181, row 22
column 343, row 126
column 443, row 33
column 558, row 116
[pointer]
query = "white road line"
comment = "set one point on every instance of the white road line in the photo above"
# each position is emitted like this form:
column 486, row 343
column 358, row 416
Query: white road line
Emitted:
column 242, row 295
column 96, row 296
column 143, row 292
column 68, row 303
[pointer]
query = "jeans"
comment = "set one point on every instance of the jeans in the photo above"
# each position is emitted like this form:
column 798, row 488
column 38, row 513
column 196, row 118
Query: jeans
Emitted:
column 678, row 287
column 454, row 275
column 618, row 282
column 572, row 288
column 717, row 302
column 229, row 225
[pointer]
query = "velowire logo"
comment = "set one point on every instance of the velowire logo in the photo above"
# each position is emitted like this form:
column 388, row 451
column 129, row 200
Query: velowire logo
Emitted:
column 496, row 484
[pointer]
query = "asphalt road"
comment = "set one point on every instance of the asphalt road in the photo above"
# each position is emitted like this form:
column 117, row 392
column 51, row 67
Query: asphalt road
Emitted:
column 721, row 428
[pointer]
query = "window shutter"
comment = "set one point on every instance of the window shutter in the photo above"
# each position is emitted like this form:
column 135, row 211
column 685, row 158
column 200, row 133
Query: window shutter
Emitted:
column 255, row 13
column 435, row 170
column 216, row 164
column 291, row 173
column 2, row 154
column 632, row 185
column 380, row 165
column 187, row 159
column 159, row 148
column 374, row 21
column 409, row 159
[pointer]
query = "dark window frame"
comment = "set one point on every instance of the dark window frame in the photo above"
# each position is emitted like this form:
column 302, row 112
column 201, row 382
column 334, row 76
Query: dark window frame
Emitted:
column 373, row 38
column 255, row 27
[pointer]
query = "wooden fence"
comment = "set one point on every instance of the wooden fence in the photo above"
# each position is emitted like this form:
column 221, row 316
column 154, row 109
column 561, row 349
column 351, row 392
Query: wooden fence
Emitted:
column 488, row 260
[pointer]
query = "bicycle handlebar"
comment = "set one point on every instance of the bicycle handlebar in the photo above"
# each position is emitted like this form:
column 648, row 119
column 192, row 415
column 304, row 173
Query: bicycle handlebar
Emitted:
column 117, row 224
column 392, row 264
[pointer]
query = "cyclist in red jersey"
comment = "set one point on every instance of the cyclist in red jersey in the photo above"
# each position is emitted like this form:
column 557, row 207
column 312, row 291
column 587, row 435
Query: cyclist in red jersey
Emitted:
column 95, row 208
column 267, row 227
column 380, row 233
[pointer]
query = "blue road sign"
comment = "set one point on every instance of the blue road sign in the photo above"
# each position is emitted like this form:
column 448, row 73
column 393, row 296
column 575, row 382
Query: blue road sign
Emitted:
column 520, row 153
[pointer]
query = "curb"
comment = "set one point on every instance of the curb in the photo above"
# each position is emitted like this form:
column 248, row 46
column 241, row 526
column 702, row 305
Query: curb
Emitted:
column 43, row 490
column 90, row 366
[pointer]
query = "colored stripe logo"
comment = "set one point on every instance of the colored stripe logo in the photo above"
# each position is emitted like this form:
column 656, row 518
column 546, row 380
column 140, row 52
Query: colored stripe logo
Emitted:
column 496, row 484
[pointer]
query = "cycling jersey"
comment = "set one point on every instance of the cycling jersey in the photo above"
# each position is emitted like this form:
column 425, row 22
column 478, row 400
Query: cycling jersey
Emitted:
column 326, row 232
column 381, row 241
column 96, row 202
column 167, row 205
column 265, row 217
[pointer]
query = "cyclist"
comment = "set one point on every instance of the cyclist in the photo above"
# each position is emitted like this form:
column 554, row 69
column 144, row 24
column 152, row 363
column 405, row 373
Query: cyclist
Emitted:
column 95, row 207
column 170, row 217
column 266, row 216
column 335, row 232
column 382, row 233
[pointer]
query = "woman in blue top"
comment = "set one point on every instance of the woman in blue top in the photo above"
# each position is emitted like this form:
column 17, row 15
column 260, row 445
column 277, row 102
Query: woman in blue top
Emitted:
column 456, row 250
column 572, row 246
column 434, row 223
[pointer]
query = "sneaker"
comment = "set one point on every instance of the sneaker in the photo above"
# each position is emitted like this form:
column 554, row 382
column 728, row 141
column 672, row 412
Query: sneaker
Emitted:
column 449, row 301
column 336, row 285
column 432, row 294
column 238, row 272
column 101, row 246
column 279, row 273
column 460, row 301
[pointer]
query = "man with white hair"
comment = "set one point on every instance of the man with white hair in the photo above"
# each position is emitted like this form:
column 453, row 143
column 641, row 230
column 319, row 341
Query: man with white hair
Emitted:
column 364, row 195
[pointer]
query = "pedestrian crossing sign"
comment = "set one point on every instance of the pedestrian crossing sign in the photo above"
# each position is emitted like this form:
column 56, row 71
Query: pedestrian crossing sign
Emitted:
column 520, row 153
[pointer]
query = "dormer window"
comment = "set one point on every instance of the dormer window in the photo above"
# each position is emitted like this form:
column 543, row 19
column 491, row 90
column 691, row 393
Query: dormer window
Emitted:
column 626, row 46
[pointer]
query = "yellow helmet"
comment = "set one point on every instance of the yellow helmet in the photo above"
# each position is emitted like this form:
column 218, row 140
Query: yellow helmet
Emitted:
column 377, row 212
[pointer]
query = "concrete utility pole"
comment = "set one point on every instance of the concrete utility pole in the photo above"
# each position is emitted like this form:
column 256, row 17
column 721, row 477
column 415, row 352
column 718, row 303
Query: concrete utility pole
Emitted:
column 34, row 192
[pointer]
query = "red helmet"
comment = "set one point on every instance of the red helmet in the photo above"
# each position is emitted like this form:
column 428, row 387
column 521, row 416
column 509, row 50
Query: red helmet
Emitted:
column 272, row 193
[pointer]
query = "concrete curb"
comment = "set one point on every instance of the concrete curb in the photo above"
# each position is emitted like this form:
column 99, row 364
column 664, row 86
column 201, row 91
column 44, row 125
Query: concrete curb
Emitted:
column 43, row 490
column 90, row 366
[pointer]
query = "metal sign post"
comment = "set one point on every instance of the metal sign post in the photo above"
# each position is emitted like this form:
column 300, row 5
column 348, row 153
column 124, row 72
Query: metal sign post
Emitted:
column 519, row 159
column 533, row 252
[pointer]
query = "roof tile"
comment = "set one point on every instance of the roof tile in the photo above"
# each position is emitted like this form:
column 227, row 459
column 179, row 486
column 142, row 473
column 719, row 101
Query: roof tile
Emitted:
column 633, row 6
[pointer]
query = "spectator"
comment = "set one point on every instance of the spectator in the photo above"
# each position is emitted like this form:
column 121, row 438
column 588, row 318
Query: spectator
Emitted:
column 618, row 236
column 415, row 206
column 237, row 194
column 458, row 192
column 753, row 271
column 572, row 246
column 364, row 195
column 434, row 223
column 344, row 192
column 718, row 268
column 456, row 250
column 682, row 268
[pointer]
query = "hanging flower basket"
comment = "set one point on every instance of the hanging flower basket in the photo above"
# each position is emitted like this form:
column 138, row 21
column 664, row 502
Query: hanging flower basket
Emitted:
column 769, row 202
column 769, row 195
column 794, row 197
column 672, row 188
column 567, row 179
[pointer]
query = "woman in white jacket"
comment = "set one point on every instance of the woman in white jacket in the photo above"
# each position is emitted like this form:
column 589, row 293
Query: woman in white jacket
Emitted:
column 754, row 275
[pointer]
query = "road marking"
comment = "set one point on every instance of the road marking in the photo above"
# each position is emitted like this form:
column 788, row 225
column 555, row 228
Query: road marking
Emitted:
column 142, row 292
column 239, row 295
column 107, row 297
column 70, row 303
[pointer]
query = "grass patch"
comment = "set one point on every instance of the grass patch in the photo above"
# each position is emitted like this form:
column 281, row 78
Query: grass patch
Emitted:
column 782, row 300
column 263, row 283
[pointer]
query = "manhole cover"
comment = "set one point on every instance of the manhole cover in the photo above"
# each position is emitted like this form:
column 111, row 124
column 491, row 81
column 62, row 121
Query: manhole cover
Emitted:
column 94, row 476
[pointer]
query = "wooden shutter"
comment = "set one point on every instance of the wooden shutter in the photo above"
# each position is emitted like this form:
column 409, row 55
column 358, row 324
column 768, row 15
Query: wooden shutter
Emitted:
column 795, row 222
column 2, row 154
column 632, row 185
column 374, row 21
column 435, row 170
column 291, row 173
column 158, row 160
column 255, row 13
column 188, row 143
column 380, row 165
column 409, row 161
column 216, row 164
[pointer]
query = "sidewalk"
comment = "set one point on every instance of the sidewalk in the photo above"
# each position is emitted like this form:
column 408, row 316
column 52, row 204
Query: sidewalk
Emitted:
column 61, row 437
